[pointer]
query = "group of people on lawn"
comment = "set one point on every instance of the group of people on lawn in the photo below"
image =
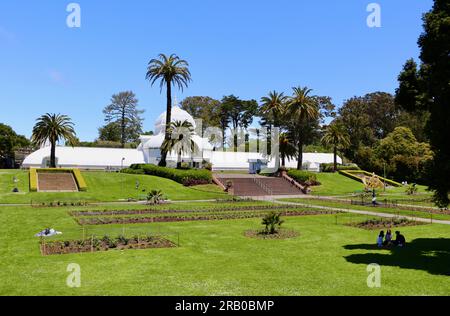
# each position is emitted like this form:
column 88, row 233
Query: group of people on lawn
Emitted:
column 386, row 240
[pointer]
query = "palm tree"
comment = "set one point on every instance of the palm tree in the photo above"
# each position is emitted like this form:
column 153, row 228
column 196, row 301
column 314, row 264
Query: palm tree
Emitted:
column 272, row 106
column 181, row 140
column 335, row 136
column 271, row 221
column 170, row 70
column 53, row 128
column 301, row 108
column 287, row 149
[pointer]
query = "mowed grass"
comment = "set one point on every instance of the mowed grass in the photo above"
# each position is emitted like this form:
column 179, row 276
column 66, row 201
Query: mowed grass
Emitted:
column 215, row 258
column 334, row 184
column 389, row 210
column 104, row 186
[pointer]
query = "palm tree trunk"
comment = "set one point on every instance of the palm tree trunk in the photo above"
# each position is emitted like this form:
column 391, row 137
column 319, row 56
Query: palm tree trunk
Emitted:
column 163, row 161
column 300, row 155
column 179, row 160
column 53, row 155
column 335, row 158
column 283, row 160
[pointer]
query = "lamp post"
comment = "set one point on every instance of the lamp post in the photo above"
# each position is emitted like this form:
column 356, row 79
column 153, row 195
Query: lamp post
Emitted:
column 384, row 175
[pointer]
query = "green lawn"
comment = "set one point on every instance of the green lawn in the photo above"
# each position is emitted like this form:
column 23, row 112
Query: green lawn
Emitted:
column 104, row 186
column 344, row 206
column 333, row 184
column 215, row 258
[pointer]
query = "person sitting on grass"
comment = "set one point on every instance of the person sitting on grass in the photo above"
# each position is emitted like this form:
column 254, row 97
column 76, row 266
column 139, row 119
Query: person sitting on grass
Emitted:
column 380, row 239
column 388, row 238
column 400, row 240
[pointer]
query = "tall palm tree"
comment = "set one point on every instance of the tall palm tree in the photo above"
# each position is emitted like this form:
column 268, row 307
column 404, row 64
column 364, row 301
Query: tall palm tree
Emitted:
column 287, row 149
column 181, row 140
column 53, row 128
column 169, row 70
column 335, row 136
column 301, row 108
column 272, row 107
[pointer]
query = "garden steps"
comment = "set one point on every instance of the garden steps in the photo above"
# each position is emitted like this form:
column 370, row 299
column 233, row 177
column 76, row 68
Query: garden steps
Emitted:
column 56, row 182
column 254, row 185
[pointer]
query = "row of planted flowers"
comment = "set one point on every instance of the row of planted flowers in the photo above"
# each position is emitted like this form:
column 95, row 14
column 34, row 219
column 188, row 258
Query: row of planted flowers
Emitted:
column 180, row 217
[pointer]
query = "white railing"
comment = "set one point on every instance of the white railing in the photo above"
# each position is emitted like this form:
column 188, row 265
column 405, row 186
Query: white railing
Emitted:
column 263, row 186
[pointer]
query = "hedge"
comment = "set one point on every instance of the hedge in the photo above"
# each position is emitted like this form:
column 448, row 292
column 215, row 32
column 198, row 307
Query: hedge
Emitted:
column 302, row 176
column 186, row 177
column 82, row 186
column 329, row 167
column 349, row 174
column 33, row 180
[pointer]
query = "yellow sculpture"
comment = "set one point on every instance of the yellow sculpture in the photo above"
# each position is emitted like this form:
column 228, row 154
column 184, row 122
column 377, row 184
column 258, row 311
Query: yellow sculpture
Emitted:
column 372, row 182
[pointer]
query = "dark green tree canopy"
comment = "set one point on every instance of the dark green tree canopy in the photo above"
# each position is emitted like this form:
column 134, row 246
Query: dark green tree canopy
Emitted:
column 123, row 113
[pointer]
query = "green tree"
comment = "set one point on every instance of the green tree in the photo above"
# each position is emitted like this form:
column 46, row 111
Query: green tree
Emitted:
column 53, row 128
column 9, row 142
column 110, row 132
column 287, row 149
column 241, row 114
column 272, row 110
column 335, row 136
column 181, row 140
column 169, row 70
column 122, row 112
column 204, row 108
column 368, row 119
column 303, row 110
column 435, row 71
column 404, row 156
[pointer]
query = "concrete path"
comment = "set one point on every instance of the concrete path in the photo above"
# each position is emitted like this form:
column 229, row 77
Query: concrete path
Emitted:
column 354, row 211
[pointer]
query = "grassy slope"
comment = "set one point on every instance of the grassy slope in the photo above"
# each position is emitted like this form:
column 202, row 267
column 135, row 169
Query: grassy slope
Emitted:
column 336, row 184
column 104, row 187
column 216, row 259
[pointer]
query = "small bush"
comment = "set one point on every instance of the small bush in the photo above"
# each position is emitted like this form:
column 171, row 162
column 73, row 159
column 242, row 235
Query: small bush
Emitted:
column 304, row 177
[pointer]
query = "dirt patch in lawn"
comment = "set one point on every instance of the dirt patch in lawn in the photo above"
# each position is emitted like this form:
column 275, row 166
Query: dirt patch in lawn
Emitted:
column 375, row 224
column 281, row 234
column 104, row 244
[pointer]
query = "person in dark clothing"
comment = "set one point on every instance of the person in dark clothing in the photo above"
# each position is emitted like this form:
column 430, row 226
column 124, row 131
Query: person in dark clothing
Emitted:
column 399, row 239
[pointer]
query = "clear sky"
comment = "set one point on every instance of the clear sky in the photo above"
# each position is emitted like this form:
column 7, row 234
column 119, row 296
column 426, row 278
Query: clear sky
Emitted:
column 241, row 47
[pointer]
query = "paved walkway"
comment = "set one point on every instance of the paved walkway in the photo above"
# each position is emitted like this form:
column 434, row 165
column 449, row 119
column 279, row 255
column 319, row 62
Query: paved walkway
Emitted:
column 354, row 211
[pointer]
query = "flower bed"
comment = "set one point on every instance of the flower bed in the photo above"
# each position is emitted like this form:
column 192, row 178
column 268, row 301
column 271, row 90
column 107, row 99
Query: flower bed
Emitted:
column 181, row 217
column 155, row 210
column 104, row 244
column 280, row 234
column 375, row 224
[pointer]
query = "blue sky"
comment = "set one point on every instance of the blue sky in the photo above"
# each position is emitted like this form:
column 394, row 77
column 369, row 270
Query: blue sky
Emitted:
column 241, row 47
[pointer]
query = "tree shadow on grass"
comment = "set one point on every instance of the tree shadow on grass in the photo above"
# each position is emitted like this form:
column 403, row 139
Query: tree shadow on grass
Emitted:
column 428, row 254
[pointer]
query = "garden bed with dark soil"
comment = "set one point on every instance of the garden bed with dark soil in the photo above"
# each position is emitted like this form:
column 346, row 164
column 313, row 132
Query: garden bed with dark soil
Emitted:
column 104, row 244
column 281, row 234
column 375, row 224
column 155, row 210
column 190, row 217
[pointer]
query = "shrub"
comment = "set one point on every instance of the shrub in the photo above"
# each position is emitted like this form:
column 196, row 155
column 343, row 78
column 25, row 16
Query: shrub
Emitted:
column 304, row 177
column 185, row 177
column 329, row 167
column 271, row 221
column 155, row 197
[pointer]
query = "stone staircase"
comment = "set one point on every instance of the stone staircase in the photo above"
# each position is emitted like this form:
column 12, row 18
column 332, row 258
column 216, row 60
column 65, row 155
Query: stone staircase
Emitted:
column 56, row 182
column 251, row 185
